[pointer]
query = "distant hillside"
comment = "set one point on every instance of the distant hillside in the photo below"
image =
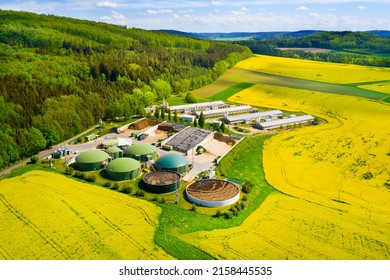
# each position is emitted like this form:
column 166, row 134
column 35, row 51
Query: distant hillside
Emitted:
column 348, row 47
column 234, row 36
column 59, row 76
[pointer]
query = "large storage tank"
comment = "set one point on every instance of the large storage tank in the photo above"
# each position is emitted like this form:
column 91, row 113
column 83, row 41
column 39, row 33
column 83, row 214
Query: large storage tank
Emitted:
column 91, row 160
column 213, row 193
column 162, row 181
column 115, row 152
column 173, row 162
column 123, row 169
column 141, row 151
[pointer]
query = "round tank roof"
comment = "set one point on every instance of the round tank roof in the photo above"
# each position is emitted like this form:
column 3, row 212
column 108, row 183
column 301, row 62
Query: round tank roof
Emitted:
column 92, row 156
column 121, row 165
column 140, row 149
column 113, row 150
column 110, row 142
column 171, row 160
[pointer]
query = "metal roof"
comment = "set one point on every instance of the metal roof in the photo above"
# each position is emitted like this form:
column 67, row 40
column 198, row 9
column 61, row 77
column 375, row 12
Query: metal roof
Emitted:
column 196, row 105
column 243, row 117
column 233, row 109
column 92, row 156
column 171, row 160
column 287, row 121
column 121, row 165
column 140, row 149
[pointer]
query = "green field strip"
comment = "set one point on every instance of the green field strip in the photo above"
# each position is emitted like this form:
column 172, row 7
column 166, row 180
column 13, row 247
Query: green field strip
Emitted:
column 225, row 94
column 276, row 80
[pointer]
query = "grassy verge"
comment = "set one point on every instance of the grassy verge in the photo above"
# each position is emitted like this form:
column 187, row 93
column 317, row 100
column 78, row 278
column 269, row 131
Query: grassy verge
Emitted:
column 243, row 163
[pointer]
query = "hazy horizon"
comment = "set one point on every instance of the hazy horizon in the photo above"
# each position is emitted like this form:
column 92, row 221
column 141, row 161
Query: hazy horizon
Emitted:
column 221, row 16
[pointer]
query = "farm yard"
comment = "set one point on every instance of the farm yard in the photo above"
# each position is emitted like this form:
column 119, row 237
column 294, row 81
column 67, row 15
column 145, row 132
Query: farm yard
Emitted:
column 317, row 191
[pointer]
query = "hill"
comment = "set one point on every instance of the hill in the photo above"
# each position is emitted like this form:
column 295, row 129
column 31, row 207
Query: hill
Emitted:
column 347, row 47
column 59, row 76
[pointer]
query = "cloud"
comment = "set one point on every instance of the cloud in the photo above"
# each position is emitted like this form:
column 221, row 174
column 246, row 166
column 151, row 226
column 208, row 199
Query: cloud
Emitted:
column 118, row 16
column 107, row 4
column 110, row 4
column 360, row 7
column 216, row 3
column 115, row 17
column 240, row 12
column 155, row 12
column 302, row 8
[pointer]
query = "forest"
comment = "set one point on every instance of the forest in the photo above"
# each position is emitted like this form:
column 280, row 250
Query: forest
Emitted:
column 59, row 76
column 362, row 48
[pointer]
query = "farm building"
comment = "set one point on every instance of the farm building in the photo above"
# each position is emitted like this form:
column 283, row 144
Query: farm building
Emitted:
column 227, row 111
column 284, row 122
column 172, row 162
column 247, row 118
column 187, row 108
column 91, row 160
column 114, row 152
column 188, row 118
column 140, row 151
column 188, row 139
column 162, row 181
column 123, row 169
column 213, row 193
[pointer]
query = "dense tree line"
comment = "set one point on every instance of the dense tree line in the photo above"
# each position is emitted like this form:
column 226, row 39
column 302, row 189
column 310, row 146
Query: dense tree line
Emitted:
column 58, row 76
column 359, row 47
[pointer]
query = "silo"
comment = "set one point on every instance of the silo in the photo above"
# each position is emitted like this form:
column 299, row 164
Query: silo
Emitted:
column 115, row 152
column 173, row 162
column 91, row 160
column 141, row 151
column 123, row 169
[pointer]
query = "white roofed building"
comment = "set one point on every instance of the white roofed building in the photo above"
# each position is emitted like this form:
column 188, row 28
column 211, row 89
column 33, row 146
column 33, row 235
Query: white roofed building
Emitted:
column 284, row 122
column 247, row 118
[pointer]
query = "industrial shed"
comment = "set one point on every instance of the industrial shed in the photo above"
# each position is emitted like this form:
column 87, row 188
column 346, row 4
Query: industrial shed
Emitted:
column 186, row 108
column 141, row 151
column 188, row 138
column 91, row 160
column 247, row 118
column 284, row 122
column 123, row 169
column 172, row 162
column 227, row 111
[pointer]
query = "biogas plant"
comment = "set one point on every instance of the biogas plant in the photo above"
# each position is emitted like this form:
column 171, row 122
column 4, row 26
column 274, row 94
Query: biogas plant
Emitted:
column 163, row 157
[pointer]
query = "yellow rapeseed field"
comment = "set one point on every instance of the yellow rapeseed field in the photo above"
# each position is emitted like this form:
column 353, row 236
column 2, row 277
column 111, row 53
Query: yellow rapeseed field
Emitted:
column 333, row 177
column 285, row 227
column 315, row 70
column 381, row 87
column 48, row 216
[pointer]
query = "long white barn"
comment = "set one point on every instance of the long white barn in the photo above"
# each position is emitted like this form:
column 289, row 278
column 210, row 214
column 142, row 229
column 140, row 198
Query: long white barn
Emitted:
column 283, row 122
column 247, row 118
column 186, row 108
column 227, row 111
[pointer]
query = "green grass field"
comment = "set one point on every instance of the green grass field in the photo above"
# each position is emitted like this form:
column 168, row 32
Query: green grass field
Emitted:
column 225, row 94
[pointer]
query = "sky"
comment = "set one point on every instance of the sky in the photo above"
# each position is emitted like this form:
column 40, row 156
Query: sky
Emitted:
column 221, row 15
